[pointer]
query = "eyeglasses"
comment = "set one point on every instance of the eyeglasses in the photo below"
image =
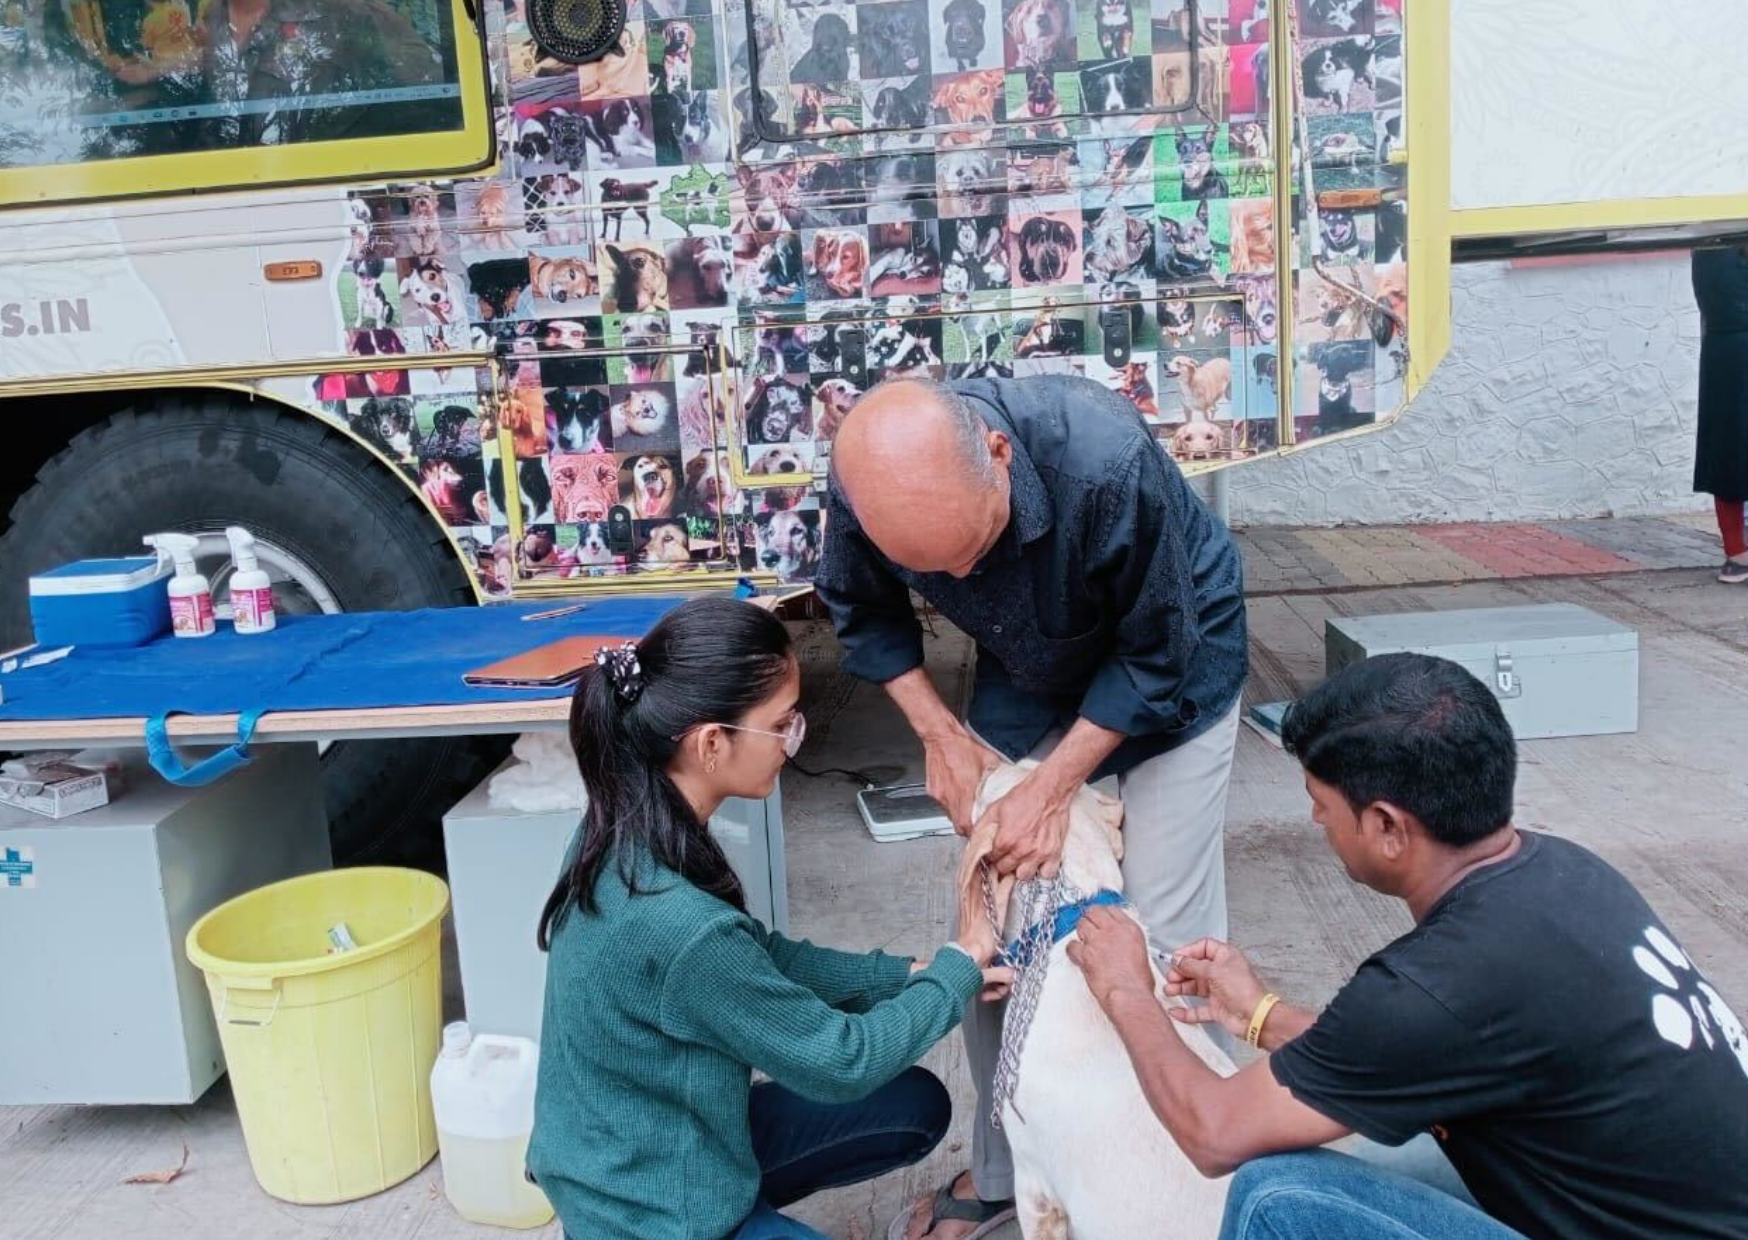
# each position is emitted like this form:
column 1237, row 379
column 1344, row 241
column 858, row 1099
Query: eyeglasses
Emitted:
column 791, row 736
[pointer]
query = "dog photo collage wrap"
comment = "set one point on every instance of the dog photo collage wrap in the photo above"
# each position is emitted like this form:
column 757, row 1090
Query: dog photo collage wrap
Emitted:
column 835, row 193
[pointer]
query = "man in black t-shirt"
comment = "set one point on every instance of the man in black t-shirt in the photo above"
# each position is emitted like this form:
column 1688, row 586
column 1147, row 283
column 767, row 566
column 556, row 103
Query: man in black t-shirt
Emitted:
column 1539, row 1020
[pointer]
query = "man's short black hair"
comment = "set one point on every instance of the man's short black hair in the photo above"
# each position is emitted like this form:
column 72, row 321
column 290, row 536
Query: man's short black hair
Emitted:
column 1417, row 731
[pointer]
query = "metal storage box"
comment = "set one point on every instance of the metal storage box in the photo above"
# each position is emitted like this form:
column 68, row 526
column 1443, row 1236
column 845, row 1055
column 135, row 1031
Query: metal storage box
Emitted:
column 503, row 863
column 101, row 1003
column 1557, row 668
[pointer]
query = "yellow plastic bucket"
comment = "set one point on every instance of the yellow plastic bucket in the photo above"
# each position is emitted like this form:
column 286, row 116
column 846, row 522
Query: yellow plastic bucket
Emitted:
column 330, row 1055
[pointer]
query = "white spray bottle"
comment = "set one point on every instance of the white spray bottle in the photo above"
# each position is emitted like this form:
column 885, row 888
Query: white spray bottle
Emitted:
column 190, row 593
column 251, row 589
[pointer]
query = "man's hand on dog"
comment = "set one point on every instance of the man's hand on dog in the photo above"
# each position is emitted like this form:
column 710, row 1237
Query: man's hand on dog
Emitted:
column 1031, row 823
column 1112, row 952
column 1219, row 974
column 955, row 763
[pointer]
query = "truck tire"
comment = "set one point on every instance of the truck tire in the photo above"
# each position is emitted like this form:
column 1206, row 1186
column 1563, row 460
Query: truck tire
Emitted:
column 197, row 464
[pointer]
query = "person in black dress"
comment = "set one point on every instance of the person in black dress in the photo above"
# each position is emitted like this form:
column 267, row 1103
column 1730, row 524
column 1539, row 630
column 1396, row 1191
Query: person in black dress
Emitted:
column 1720, row 460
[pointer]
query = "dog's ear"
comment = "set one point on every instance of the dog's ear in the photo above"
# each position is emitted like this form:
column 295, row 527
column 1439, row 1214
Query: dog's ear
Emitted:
column 1202, row 212
column 1108, row 810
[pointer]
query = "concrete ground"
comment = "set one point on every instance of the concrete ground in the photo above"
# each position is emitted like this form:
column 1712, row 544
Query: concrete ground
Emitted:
column 1667, row 805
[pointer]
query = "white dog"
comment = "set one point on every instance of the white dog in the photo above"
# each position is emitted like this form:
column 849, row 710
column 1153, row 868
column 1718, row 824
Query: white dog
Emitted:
column 1090, row 1157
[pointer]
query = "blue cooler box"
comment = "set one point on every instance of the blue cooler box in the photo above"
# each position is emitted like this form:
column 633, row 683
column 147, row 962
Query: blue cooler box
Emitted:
column 124, row 602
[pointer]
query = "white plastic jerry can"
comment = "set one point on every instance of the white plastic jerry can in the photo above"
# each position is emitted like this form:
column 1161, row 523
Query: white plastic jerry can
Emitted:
column 482, row 1092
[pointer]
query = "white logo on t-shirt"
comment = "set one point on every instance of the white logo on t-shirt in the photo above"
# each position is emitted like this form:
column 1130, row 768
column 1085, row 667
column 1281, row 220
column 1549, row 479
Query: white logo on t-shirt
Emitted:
column 1693, row 1007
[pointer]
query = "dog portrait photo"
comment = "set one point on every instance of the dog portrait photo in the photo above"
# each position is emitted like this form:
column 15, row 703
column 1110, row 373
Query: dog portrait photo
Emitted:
column 767, row 198
column 976, row 255
column 618, row 133
column 576, row 420
column 1336, row 18
column 822, row 42
column 426, row 227
column 621, row 74
column 1195, row 244
column 893, row 107
column 970, row 103
column 1253, row 235
column 1118, row 244
column 1046, row 249
column 769, row 267
column 893, row 39
column 584, row 488
column 649, row 484
column 1340, row 75
column 1341, row 394
column 787, row 543
column 634, row 277
column 662, row 544
column 1039, row 34
column 562, row 284
column 966, row 35
column 837, row 263
column 709, row 486
column 642, row 418
column 972, row 181
column 1040, row 98
column 904, row 259
column 448, row 427
column 700, row 273
column 779, row 411
column 1329, row 308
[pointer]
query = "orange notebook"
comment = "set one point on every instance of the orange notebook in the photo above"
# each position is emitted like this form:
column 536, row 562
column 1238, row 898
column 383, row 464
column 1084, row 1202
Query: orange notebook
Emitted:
column 550, row 666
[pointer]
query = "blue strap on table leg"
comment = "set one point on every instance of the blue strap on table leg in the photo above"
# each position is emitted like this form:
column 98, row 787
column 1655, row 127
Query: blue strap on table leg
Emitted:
column 208, row 770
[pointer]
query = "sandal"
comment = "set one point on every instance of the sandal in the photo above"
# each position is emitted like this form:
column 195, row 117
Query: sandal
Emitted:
column 988, row 1215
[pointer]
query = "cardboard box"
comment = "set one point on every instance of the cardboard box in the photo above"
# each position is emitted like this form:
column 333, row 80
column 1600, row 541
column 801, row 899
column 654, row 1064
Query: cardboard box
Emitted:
column 55, row 789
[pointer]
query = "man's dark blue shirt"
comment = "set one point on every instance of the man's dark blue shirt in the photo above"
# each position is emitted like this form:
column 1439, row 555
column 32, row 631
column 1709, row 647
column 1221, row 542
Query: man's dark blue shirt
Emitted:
column 1114, row 594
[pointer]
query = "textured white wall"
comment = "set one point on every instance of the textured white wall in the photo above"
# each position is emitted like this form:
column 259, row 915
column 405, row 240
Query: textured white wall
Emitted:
column 1569, row 391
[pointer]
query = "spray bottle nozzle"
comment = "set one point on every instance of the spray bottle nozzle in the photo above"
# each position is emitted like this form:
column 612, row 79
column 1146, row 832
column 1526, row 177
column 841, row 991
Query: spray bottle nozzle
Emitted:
column 242, row 548
column 178, row 547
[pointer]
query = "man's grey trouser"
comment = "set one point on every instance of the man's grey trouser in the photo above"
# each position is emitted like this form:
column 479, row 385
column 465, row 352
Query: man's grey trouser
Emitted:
column 1174, row 873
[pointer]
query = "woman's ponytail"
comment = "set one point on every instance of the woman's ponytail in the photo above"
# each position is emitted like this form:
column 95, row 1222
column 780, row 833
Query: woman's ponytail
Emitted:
column 710, row 660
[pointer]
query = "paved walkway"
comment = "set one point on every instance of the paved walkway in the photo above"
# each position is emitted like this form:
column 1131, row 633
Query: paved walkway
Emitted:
column 1281, row 560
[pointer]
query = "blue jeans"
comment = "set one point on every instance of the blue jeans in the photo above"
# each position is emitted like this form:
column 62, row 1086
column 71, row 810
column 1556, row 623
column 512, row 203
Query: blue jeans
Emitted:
column 1317, row 1193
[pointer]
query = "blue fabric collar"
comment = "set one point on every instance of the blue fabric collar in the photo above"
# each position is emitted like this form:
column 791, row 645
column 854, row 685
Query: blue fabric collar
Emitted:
column 1068, row 918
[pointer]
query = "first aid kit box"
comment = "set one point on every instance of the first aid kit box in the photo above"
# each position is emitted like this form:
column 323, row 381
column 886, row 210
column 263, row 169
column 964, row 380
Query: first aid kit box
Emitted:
column 1557, row 669
column 121, row 602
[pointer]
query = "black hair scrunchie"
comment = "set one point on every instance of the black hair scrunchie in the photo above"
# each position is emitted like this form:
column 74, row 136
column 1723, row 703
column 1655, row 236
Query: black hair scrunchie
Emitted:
column 623, row 670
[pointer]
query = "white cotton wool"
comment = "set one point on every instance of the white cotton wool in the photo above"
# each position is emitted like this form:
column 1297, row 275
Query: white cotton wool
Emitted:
column 543, row 778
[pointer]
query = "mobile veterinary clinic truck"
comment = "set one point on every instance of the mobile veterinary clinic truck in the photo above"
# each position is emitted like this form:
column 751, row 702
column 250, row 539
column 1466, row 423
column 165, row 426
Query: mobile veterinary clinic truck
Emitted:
column 453, row 300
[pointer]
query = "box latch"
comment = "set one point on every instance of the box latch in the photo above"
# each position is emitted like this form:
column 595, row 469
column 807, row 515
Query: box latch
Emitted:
column 1506, row 682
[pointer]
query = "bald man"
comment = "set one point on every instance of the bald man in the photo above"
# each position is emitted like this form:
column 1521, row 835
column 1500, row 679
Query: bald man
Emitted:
column 1107, row 603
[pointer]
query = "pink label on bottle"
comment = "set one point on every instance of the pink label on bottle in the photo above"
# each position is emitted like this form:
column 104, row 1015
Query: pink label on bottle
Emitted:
column 191, row 615
column 250, row 609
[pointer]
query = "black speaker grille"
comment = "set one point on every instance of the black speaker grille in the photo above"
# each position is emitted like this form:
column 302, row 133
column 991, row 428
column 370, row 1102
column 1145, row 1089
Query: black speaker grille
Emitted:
column 577, row 32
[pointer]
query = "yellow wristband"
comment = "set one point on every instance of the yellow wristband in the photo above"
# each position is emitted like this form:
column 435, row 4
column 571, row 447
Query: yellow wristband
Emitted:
column 1266, row 1005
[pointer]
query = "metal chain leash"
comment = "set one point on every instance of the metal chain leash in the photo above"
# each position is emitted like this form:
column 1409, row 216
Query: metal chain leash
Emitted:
column 1029, row 957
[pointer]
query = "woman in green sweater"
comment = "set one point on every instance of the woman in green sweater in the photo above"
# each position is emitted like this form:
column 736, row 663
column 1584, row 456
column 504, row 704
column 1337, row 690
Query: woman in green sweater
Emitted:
column 663, row 995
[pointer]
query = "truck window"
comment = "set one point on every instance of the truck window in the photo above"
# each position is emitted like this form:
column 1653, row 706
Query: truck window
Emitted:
column 113, row 98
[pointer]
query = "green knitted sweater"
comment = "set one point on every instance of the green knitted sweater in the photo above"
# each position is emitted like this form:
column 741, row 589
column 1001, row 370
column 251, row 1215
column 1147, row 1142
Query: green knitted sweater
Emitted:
column 657, row 1008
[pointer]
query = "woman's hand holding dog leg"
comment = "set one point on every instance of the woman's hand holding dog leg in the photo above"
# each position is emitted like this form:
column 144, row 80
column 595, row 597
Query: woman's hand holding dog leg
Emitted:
column 976, row 935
